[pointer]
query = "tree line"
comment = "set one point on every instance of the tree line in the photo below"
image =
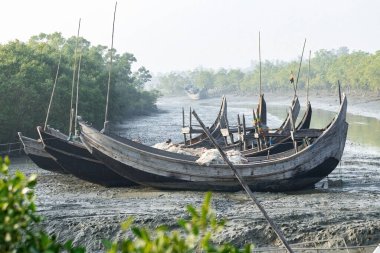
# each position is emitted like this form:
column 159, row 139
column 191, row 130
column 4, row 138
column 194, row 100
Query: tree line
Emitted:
column 28, row 70
column 357, row 71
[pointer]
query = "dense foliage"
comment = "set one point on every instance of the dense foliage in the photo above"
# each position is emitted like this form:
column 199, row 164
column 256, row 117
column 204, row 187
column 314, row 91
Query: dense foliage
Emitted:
column 18, row 217
column 27, row 74
column 357, row 71
column 18, row 220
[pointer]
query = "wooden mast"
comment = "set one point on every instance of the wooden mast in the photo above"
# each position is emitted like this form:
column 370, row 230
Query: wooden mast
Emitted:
column 77, row 98
column 299, row 68
column 260, row 63
column 52, row 92
column 308, row 79
column 105, row 129
column 73, row 82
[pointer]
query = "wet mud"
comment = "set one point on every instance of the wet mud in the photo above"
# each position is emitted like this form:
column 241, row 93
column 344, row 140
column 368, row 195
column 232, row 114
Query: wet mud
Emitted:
column 345, row 207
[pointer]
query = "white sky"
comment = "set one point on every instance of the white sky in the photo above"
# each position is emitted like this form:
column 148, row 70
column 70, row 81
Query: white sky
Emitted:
column 168, row 35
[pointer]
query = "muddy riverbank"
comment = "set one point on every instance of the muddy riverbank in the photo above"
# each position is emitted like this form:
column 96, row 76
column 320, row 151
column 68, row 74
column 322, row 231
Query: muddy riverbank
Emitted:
column 87, row 213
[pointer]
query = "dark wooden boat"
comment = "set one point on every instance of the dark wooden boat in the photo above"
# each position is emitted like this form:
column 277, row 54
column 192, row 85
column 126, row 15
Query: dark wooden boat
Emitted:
column 291, row 170
column 76, row 160
column 35, row 151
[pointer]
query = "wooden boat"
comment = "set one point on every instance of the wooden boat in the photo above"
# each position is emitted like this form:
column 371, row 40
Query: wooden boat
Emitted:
column 35, row 151
column 195, row 93
column 76, row 160
column 291, row 170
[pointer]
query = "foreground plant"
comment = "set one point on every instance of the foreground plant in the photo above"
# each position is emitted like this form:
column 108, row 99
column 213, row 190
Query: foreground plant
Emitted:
column 18, row 217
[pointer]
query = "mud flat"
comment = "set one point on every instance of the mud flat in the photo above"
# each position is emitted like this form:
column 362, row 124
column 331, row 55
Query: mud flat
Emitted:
column 345, row 208
column 87, row 213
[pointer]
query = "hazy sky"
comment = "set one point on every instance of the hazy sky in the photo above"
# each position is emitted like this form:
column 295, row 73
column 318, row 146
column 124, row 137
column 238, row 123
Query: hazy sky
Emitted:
column 168, row 35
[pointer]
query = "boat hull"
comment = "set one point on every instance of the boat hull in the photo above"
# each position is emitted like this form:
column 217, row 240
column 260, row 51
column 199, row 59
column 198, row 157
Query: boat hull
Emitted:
column 76, row 160
column 157, row 168
column 35, row 151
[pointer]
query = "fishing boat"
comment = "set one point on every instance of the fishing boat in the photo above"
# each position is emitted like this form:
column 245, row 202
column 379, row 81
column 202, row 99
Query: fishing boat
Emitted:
column 35, row 151
column 195, row 93
column 292, row 170
column 75, row 159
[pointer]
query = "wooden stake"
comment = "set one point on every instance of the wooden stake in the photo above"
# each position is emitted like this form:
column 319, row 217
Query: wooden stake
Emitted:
column 244, row 134
column 183, row 123
column 239, row 132
column 245, row 186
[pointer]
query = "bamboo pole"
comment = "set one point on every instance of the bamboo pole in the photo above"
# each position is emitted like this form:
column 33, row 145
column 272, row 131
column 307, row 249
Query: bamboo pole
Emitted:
column 77, row 99
column 308, row 79
column 340, row 94
column 244, row 134
column 183, row 123
column 52, row 92
column 260, row 63
column 73, row 82
column 239, row 132
column 299, row 68
column 109, row 73
column 190, row 135
column 245, row 186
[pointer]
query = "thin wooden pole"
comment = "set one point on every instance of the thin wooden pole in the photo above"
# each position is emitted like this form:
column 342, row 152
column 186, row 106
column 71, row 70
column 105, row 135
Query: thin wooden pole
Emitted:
column 245, row 185
column 292, row 123
column 109, row 72
column 183, row 124
column 244, row 134
column 340, row 94
column 239, row 131
column 52, row 92
column 73, row 82
column 299, row 68
column 308, row 79
column 260, row 62
column 190, row 135
column 77, row 99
